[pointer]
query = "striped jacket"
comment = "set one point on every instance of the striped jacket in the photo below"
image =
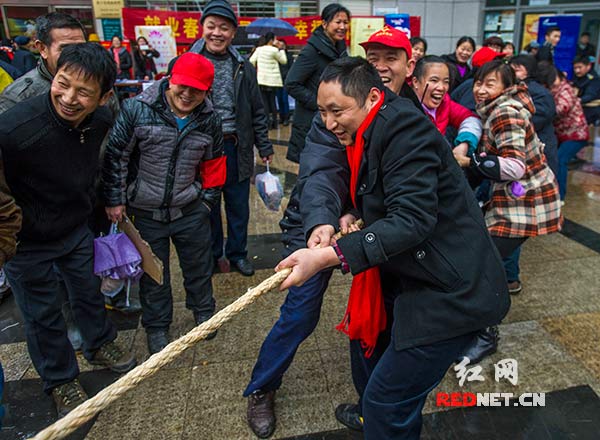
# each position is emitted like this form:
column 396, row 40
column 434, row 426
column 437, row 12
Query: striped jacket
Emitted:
column 508, row 132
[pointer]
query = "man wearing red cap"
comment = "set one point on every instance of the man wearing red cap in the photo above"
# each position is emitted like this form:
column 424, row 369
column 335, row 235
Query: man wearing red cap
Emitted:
column 164, row 164
column 389, row 50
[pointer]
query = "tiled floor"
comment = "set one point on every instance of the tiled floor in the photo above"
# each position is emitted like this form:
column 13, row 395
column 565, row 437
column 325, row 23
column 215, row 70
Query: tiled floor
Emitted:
column 552, row 330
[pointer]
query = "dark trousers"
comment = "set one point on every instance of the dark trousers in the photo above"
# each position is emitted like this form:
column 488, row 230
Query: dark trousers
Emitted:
column 299, row 316
column 283, row 103
column 268, row 97
column 511, row 265
column 237, row 210
column 507, row 245
column 32, row 276
column 399, row 386
column 191, row 237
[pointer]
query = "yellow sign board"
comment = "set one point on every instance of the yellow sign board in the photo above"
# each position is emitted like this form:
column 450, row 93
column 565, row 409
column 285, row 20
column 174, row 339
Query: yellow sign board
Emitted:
column 107, row 8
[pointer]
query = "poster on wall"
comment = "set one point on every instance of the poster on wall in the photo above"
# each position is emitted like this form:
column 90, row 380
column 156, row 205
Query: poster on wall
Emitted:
column 566, row 49
column 530, row 29
column 362, row 29
column 399, row 21
column 160, row 38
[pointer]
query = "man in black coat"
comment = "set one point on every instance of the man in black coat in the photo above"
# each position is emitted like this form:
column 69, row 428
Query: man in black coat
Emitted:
column 587, row 82
column 238, row 101
column 425, row 245
column 50, row 148
column 323, row 160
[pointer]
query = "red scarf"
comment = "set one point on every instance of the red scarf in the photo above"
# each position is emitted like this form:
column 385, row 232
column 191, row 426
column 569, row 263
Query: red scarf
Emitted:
column 365, row 315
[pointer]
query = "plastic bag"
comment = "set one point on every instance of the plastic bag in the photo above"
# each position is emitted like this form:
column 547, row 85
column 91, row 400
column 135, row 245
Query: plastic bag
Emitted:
column 116, row 261
column 269, row 189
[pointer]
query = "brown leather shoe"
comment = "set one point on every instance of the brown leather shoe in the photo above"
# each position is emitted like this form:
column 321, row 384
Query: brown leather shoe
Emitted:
column 261, row 413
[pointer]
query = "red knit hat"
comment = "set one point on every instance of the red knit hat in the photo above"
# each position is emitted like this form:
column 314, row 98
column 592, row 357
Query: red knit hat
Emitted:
column 193, row 70
column 485, row 55
column 391, row 37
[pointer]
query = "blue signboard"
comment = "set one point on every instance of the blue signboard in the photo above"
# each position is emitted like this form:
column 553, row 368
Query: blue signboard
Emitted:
column 111, row 27
column 398, row 21
column 566, row 49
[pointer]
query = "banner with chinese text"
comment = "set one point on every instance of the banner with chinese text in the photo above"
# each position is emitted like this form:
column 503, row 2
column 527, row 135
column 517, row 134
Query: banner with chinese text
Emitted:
column 161, row 39
column 185, row 26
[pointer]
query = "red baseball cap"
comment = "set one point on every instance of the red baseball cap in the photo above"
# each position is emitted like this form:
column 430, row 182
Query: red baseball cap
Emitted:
column 391, row 37
column 193, row 70
column 485, row 55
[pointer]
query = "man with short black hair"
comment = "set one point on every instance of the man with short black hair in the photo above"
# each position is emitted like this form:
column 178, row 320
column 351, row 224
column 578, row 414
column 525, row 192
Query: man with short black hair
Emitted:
column 421, row 223
column 50, row 150
column 551, row 40
column 584, row 47
column 587, row 82
column 54, row 31
column 245, row 126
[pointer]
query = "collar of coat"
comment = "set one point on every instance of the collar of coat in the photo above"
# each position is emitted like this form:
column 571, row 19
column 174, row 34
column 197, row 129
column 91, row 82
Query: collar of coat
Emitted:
column 516, row 96
column 198, row 47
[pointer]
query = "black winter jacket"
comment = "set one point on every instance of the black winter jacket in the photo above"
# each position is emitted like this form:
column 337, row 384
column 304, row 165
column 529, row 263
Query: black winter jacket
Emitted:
column 50, row 166
column 302, row 83
column 151, row 165
column 321, row 199
column 250, row 119
column 455, row 78
column 125, row 63
column 425, row 231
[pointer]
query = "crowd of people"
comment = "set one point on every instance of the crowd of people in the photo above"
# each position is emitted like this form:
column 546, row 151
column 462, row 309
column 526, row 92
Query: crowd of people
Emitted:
column 451, row 162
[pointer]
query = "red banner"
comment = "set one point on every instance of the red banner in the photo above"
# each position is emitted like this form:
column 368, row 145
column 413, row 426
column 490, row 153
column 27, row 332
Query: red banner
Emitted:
column 187, row 29
column 185, row 25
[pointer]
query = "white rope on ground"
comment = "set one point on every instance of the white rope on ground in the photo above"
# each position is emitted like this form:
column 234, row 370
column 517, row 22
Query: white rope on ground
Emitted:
column 88, row 409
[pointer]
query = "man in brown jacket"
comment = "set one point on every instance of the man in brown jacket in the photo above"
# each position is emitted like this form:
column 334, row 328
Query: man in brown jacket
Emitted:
column 10, row 220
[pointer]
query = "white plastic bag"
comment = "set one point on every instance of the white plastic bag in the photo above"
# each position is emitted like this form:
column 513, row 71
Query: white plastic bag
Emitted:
column 269, row 189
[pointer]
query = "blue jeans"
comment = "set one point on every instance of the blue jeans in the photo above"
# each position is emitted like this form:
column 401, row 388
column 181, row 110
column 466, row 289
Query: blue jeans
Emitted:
column 237, row 210
column 299, row 316
column 283, row 103
column 399, row 386
column 566, row 151
column 511, row 265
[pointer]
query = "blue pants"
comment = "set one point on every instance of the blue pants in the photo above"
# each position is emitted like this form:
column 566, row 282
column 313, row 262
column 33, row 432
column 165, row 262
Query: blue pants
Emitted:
column 399, row 386
column 511, row 265
column 299, row 316
column 283, row 103
column 566, row 151
column 237, row 210
column 33, row 279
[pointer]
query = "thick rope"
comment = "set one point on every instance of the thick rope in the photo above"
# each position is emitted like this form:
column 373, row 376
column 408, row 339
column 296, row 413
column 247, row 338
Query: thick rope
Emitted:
column 88, row 409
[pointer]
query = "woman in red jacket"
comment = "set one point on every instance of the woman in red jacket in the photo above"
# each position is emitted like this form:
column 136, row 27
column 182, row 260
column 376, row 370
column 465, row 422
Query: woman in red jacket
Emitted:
column 570, row 124
column 431, row 82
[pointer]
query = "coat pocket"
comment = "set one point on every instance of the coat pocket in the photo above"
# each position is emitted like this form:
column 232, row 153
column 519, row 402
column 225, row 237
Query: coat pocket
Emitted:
column 437, row 266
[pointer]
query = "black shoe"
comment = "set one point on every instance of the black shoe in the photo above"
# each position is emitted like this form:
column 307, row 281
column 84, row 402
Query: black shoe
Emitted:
column 285, row 122
column 111, row 356
column 348, row 414
column 261, row 413
column 244, row 266
column 157, row 340
column 119, row 303
column 484, row 344
column 203, row 317
column 68, row 396
column 274, row 124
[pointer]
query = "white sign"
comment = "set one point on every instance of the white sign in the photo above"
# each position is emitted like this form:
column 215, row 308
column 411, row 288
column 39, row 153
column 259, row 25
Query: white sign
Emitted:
column 161, row 38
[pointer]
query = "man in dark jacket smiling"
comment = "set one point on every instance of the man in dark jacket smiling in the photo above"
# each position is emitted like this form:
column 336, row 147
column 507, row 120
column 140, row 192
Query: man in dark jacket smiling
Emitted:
column 164, row 161
column 50, row 148
column 422, row 225
column 238, row 102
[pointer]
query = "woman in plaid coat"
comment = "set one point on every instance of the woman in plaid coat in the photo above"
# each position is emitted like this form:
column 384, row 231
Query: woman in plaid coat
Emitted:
column 525, row 200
